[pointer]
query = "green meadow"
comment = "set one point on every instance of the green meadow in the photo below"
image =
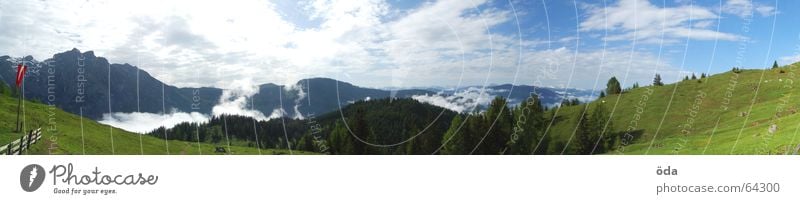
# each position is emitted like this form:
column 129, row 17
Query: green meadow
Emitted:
column 749, row 112
column 68, row 134
column 743, row 112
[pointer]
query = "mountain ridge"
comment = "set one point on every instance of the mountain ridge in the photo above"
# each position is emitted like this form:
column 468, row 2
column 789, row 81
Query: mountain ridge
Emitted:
column 121, row 87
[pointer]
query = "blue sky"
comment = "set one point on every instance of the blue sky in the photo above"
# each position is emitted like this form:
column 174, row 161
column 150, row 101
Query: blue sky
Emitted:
column 393, row 43
column 692, row 53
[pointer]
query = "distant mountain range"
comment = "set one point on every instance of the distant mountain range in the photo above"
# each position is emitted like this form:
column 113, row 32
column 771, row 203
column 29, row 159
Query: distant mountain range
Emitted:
column 74, row 80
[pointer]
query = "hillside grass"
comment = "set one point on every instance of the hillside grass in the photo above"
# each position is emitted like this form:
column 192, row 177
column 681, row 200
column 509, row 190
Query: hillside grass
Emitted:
column 68, row 134
column 672, row 127
column 688, row 117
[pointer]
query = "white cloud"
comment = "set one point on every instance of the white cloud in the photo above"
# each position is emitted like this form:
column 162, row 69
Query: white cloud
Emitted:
column 146, row 122
column 642, row 21
column 277, row 113
column 365, row 42
column 206, row 44
column 565, row 68
column 766, row 10
column 301, row 94
column 790, row 59
column 434, row 39
column 746, row 8
column 462, row 101
column 235, row 101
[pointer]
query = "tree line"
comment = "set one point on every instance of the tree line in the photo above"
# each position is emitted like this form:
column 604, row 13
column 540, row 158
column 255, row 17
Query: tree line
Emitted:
column 406, row 126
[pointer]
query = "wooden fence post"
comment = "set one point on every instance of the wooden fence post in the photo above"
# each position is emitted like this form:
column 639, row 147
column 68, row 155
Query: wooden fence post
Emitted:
column 21, row 143
column 28, row 146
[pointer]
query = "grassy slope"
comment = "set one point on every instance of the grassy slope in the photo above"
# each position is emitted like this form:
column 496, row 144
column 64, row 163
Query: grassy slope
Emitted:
column 66, row 135
column 776, row 96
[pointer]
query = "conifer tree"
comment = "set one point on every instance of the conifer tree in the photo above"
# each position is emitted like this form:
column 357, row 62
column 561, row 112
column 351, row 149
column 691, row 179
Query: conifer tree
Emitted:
column 613, row 86
column 581, row 135
column 565, row 102
column 340, row 140
column 498, row 121
column 361, row 130
column 600, row 131
column 527, row 129
column 453, row 139
column 657, row 80
column 574, row 101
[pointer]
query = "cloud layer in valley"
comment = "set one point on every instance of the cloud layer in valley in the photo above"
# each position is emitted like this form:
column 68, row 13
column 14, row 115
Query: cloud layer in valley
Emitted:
column 462, row 101
column 146, row 122
column 237, row 101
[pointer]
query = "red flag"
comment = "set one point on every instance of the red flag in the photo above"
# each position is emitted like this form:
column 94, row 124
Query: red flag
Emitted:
column 21, row 73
